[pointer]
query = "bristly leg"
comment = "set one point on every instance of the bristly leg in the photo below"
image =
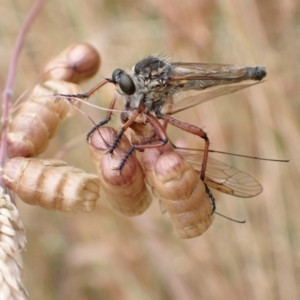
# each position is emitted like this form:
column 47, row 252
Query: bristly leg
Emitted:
column 105, row 121
column 87, row 94
column 211, row 197
column 160, row 134
column 70, row 96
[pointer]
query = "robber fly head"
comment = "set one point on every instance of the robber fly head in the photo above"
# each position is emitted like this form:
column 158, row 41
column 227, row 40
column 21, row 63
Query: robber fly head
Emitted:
column 124, row 81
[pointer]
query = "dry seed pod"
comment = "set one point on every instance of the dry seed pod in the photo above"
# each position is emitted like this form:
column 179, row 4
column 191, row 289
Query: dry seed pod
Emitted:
column 125, row 191
column 51, row 184
column 179, row 188
column 38, row 117
column 75, row 64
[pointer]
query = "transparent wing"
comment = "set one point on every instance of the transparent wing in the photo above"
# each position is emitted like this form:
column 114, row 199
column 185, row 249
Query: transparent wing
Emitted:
column 224, row 178
column 207, row 71
column 219, row 79
column 180, row 104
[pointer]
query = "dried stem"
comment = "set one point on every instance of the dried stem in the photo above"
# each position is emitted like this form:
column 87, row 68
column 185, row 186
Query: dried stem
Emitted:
column 8, row 89
column 12, row 237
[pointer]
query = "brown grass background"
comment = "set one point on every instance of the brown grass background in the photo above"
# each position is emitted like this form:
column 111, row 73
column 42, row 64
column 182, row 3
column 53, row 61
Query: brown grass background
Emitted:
column 106, row 256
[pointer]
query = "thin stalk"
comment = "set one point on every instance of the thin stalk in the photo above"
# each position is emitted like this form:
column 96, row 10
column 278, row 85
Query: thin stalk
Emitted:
column 8, row 89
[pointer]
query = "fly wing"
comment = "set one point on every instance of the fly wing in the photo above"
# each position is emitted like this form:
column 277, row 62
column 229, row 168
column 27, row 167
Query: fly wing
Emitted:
column 224, row 178
column 180, row 104
column 226, row 72
column 219, row 79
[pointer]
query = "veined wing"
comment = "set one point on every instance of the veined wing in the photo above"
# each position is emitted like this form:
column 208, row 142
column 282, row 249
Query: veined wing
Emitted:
column 180, row 104
column 219, row 79
column 224, row 178
column 226, row 72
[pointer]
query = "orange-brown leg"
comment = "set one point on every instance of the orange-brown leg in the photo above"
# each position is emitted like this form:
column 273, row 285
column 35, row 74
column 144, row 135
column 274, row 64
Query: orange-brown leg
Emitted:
column 160, row 133
column 121, row 132
column 194, row 130
column 86, row 95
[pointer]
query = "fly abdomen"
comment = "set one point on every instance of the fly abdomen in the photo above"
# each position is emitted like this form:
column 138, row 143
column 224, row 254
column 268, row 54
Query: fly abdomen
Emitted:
column 257, row 73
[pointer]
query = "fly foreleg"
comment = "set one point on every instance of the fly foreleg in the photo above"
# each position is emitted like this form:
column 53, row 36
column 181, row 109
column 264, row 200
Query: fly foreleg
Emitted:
column 103, row 122
column 86, row 95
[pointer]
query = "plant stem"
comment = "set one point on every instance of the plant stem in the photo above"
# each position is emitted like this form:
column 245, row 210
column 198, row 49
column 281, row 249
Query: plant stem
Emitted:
column 8, row 89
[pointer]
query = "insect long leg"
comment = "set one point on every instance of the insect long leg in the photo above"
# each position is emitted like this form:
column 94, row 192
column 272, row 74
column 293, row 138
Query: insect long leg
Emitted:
column 211, row 197
column 165, row 125
column 119, row 136
column 103, row 122
column 86, row 95
column 160, row 133
column 194, row 130
column 160, row 139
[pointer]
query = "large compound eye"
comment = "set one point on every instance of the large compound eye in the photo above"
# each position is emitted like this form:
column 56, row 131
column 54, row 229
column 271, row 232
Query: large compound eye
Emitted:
column 126, row 84
column 116, row 74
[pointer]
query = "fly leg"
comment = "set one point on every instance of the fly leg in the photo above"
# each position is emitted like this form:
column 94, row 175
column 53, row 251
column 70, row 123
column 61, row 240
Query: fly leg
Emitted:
column 120, row 133
column 160, row 139
column 194, row 130
column 86, row 95
column 211, row 198
column 103, row 122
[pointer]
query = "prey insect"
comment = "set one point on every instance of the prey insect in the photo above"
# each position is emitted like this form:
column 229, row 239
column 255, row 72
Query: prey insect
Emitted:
column 150, row 92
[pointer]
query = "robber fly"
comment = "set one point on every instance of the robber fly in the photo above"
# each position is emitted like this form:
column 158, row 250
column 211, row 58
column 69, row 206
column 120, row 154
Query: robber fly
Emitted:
column 149, row 91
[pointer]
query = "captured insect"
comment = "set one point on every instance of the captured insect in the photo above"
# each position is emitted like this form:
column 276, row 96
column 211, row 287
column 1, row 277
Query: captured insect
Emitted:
column 150, row 91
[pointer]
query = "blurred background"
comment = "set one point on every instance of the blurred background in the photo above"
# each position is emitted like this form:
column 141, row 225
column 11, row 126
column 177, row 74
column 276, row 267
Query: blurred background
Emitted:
column 103, row 255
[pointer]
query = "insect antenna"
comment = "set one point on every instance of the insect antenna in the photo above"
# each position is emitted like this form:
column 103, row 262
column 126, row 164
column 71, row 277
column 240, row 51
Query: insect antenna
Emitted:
column 230, row 219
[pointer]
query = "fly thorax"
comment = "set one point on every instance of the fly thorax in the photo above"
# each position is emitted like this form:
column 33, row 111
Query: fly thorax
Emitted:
column 156, row 92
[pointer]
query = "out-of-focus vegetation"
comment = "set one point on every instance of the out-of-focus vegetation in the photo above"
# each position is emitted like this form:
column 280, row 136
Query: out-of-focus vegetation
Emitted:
column 103, row 255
